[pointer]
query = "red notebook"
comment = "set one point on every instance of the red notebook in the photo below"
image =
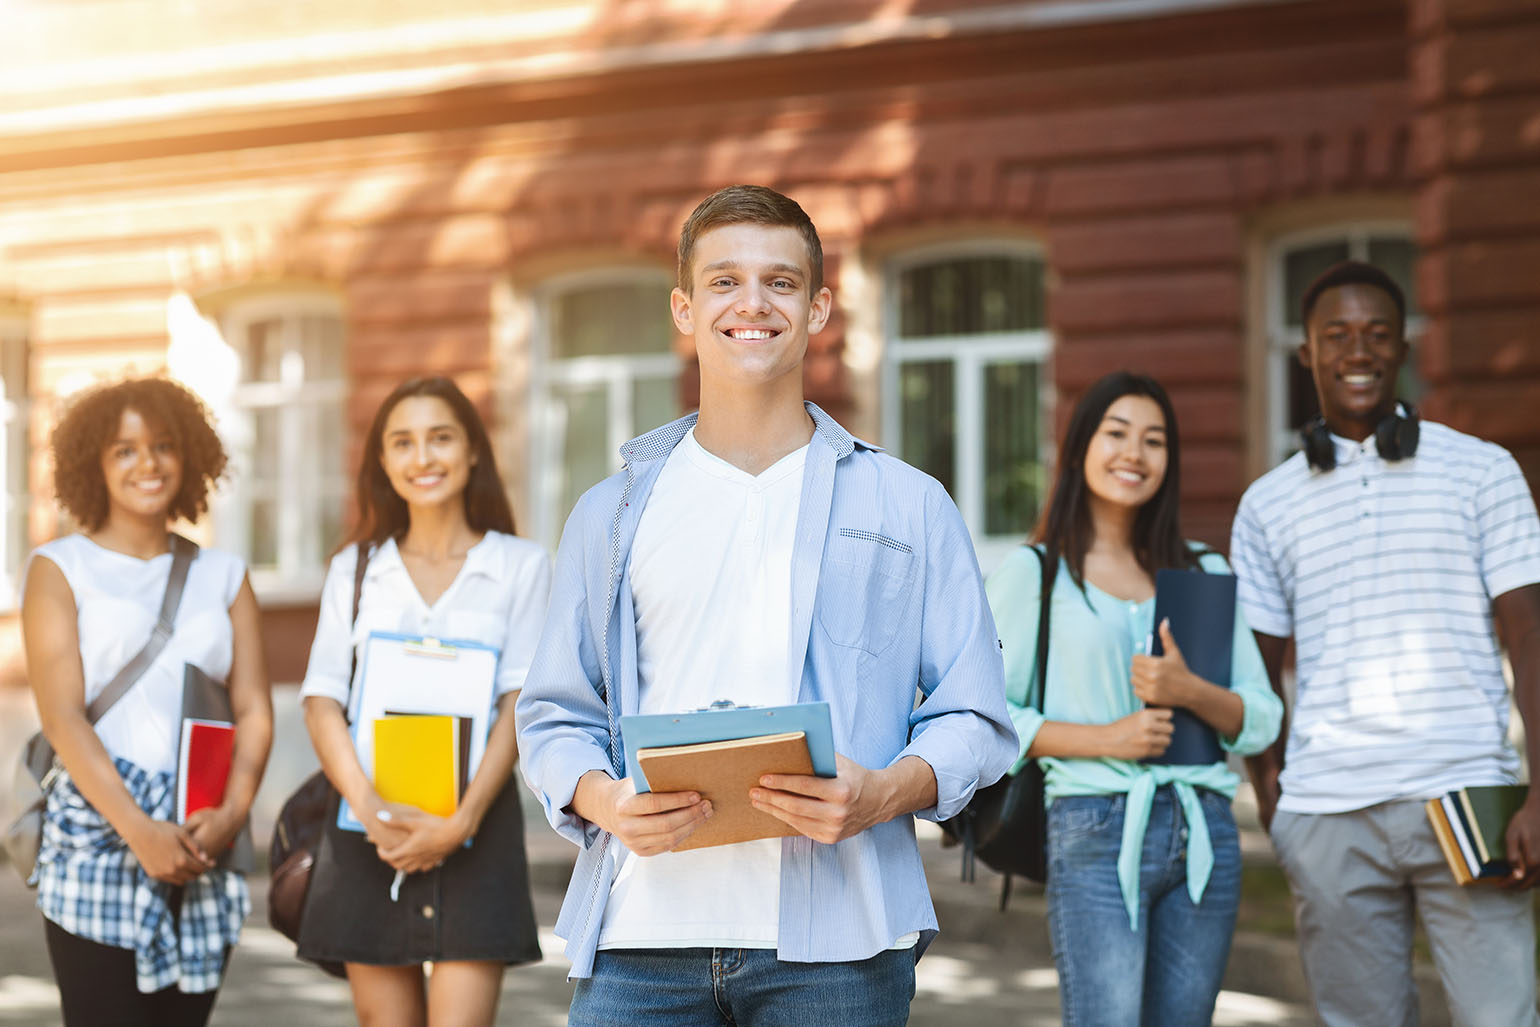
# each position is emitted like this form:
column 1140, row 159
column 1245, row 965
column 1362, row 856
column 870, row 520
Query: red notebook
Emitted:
column 203, row 767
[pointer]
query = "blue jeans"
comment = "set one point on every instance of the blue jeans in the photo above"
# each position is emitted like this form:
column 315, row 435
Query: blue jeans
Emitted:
column 666, row 987
column 1165, row 972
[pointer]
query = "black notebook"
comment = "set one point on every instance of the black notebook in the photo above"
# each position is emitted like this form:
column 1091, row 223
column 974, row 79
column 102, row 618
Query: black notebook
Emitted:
column 1201, row 608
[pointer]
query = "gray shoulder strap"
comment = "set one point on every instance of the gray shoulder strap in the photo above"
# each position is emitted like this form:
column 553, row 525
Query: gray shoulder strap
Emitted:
column 182, row 553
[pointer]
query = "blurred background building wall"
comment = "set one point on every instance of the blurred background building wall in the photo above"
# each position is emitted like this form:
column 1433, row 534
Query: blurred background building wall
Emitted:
column 294, row 206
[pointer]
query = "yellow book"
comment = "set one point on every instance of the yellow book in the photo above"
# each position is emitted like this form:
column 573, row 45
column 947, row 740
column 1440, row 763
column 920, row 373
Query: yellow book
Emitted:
column 416, row 761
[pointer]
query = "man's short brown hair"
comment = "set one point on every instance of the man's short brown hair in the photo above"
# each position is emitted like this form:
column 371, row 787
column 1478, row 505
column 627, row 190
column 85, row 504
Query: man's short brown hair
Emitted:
column 748, row 205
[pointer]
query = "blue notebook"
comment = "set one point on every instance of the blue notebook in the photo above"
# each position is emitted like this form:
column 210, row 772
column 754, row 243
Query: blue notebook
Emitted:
column 1201, row 608
column 725, row 721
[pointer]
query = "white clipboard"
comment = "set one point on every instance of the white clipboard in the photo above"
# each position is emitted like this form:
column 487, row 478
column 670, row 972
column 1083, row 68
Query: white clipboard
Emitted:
column 407, row 674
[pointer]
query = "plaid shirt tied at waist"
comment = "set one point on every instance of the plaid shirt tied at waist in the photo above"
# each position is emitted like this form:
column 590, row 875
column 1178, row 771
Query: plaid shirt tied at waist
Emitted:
column 90, row 884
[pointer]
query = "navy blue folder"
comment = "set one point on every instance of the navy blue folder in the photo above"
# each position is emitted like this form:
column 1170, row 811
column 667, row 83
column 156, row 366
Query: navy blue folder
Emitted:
column 1201, row 608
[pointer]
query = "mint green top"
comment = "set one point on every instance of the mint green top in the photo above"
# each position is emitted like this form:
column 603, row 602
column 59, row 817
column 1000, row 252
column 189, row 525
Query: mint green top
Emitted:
column 1090, row 654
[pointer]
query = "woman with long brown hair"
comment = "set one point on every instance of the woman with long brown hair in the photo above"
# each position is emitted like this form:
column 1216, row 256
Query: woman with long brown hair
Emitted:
column 436, row 532
column 1143, row 857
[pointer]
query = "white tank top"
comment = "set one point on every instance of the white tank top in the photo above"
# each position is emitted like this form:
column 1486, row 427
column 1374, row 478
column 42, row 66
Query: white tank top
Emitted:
column 117, row 598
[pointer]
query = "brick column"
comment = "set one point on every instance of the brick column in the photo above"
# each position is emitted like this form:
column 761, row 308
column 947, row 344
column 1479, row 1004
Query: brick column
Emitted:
column 1476, row 87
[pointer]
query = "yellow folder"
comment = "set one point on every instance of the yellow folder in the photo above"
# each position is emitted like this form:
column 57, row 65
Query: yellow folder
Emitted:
column 416, row 761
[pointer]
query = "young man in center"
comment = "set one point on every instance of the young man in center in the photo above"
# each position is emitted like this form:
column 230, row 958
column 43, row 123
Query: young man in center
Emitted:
column 760, row 554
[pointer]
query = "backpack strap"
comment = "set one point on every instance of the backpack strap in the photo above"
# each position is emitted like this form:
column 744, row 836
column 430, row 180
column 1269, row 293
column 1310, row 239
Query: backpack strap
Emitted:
column 360, row 567
column 1044, row 609
column 1050, row 567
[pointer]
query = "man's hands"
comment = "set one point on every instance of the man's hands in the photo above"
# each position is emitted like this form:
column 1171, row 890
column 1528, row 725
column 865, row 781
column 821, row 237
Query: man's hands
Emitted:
column 833, row 809
column 1517, row 613
column 1267, row 765
column 647, row 823
column 824, row 809
column 1524, row 844
column 1264, row 781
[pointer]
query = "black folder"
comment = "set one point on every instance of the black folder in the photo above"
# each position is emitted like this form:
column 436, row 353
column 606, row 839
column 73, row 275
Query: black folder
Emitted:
column 1201, row 608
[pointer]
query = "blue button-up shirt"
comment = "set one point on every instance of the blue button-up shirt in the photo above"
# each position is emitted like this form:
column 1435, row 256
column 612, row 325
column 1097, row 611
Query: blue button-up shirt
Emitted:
column 891, row 627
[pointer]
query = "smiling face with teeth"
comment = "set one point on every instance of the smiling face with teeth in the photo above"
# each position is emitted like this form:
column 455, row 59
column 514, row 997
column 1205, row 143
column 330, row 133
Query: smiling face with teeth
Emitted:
column 1125, row 461
column 1354, row 348
column 142, row 470
column 751, row 307
column 426, row 452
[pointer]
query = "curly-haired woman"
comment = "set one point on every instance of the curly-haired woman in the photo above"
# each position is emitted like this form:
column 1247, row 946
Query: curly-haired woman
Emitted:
column 138, row 917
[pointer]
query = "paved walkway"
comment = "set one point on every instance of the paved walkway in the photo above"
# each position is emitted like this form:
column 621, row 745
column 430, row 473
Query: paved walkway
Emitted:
column 986, row 969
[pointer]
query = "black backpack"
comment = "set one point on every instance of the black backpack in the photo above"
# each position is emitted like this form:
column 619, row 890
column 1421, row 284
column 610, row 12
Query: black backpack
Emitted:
column 1005, row 824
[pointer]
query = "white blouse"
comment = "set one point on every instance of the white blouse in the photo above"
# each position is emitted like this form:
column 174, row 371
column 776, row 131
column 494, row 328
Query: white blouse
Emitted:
column 117, row 599
column 498, row 599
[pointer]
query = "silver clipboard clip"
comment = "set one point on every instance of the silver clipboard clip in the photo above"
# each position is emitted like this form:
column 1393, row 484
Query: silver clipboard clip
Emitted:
column 725, row 704
column 431, row 647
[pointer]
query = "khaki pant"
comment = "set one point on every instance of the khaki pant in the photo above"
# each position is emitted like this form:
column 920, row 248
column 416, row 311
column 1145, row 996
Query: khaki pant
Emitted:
column 1358, row 878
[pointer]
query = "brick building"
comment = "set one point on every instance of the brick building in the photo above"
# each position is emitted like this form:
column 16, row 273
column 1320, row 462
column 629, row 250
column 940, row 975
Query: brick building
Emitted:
column 294, row 206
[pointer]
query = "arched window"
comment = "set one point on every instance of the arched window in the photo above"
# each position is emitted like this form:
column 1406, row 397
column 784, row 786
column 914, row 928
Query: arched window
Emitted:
column 965, row 384
column 606, row 372
column 1293, row 262
column 285, row 428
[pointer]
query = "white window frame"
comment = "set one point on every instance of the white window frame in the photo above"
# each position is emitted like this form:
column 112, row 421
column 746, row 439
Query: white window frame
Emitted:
column 15, row 466
column 970, row 354
column 616, row 372
column 1284, row 337
column 296, row 576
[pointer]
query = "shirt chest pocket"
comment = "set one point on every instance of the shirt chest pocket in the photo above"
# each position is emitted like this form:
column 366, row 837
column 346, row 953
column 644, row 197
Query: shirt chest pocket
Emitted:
column 865, row 587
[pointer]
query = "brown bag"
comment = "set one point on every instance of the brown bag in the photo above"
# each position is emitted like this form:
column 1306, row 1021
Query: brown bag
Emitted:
column 296, row 837
column 301, row 822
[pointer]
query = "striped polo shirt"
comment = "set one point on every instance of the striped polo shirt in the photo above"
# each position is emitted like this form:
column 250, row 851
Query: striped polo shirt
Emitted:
column 1384, row 572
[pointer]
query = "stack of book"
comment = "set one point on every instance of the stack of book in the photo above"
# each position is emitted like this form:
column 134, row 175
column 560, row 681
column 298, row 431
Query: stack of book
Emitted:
column 721, row 752
column 429, row 703
column 422, row 760
column 203, row 765
column 723, row 772
column 1472, row 825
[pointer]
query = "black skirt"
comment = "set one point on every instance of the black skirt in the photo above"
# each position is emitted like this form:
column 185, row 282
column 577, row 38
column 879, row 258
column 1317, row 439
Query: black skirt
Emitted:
column 474, row 907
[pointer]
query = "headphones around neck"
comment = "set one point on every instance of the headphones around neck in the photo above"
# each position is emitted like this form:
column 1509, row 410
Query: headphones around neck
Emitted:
column 1395, row 437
